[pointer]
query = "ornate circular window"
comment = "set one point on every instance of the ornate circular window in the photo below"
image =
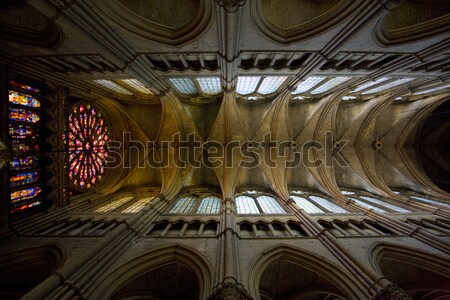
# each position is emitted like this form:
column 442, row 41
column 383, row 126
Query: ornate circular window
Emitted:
column 87, row 138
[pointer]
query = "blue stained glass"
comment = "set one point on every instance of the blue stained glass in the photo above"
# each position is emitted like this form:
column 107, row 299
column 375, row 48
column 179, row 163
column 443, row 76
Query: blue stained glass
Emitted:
column 23, row 115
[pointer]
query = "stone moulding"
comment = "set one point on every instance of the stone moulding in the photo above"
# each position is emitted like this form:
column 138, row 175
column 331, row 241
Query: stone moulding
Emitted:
column 148, row 29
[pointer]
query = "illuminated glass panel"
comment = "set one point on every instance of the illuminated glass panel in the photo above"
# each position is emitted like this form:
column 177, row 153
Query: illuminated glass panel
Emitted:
column 113, row 86
column 24, row 178
column 25, row 163
column 271, row 84
column 25, row 194
column 210, row 85
column 209, row 205
column 114, row 204
column 24, row 146
column 431, row 201
column 269, row 205
column 347, row 193
column 389, row 85
column 184, row 205
column 371, row 83
column 306, row 205
column 23, row 86
column 26, row 206
column 184, row 85
column 330, row 84
column 308, row 84
column 137, row 85
column 23, row 99
column 87, row 138
column 327, row 204
column 432, row 90
column 367, row 205
column 246, row 205
column 136, row 207
column 384, row 204
column 20, row 131
column 298, row 192
column 247, row 84
column 23, row 115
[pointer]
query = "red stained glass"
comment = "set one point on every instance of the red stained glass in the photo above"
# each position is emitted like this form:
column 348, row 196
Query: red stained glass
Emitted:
column 23, row 99
column 86, row 140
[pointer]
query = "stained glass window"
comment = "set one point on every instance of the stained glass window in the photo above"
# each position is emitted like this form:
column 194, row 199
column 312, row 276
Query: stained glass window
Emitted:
column 26, row 206
column 25, row 163
column 25, row 194
column 24, row 146
column 23, row 115
column 20, row 131
column 24, row 178
column 23, row 99
column 87, row 138
column 23, row 86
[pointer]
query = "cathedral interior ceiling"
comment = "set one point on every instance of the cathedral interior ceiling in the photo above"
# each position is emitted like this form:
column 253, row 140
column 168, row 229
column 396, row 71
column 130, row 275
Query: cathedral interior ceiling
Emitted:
column 157, row 43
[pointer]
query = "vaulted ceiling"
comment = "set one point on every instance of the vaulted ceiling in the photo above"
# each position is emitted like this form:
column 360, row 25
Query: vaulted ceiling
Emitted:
column 94, row 47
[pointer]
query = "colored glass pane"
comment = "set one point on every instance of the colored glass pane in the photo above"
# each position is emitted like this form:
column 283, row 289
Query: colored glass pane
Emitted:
column 23, row 115
column 25, row 194
column 24, row 146
column 24, row 178
column 26, row 206
column 23, row 99
column 87, row 138
column 24, row 86
column 19, row 131
column 25, row 163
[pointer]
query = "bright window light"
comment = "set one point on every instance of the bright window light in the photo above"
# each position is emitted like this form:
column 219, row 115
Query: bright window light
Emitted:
column 426, row 200
column 246, row 205
column 431, row 90
column 247, row 84
column 269, row 205
column 388, row 85
column 113, row 205
column 137, row 85
column 210, row 85
column 347, row 193
column 384, row 204
column 184, row 205
column 328, row 205
column 345, row 98
column 136, row 207
column 209, row 205
column 184, row 85
column 372, row 83
column 306, row 205
column 113, row 86
column 366, row 205
column 330, row 84
column 271, row 84
column 308, row 84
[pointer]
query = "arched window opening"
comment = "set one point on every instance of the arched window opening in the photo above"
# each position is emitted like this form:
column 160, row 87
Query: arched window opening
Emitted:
column 199, row 203
column 254, row 202
column 313, row 204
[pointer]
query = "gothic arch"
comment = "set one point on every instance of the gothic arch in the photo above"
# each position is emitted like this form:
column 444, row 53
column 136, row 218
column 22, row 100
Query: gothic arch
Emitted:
column 429, row 274
column 158, row 30
column 129, row 270
column 22, row 270
column 325, row 17
column 413, row 21
column 333, row 274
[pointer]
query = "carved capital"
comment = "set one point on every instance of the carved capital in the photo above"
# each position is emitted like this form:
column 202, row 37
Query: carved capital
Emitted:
column 229, row 291
column 230, row 6
column 393, row 292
